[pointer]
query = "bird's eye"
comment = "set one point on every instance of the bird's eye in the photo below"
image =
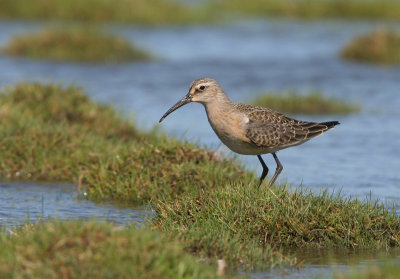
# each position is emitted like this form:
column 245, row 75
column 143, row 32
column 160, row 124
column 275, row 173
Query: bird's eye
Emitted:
column 201, row 88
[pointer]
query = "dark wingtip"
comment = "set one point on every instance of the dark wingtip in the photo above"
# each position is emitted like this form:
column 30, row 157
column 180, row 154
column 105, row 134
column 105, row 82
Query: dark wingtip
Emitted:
column 330, row 124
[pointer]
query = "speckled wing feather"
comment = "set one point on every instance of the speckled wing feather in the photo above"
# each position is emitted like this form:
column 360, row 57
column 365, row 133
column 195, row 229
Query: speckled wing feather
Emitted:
column 267, row 128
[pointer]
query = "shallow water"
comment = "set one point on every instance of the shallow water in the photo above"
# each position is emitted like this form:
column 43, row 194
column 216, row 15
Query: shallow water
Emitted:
column 361, row 157
column 321, row 263
column 23, row 202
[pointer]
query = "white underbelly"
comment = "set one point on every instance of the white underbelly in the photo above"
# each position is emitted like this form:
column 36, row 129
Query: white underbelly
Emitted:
column 231, row 130
column 242, row 147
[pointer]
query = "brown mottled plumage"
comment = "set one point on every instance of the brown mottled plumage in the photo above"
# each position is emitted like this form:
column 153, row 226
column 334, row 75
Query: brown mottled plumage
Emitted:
column 267, row 128
column 250, row 130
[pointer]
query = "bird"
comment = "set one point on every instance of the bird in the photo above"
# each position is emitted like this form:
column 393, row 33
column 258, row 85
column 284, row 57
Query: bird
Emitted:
column 247, row 129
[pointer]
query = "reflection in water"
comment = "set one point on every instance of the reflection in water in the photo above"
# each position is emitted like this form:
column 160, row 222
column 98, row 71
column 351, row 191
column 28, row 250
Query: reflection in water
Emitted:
column 20, row 202
column 322, row 263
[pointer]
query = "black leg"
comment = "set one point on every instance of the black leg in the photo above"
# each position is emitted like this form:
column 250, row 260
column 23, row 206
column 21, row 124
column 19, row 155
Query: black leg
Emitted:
column 265, row 170
column 278, row 170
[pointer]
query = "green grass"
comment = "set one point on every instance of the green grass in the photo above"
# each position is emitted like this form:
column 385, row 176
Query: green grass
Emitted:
column 380, row 47
column 209, row 204
column 312, row 104
column 157, row 12
column 274, row 218
column 73, row 249
column 389, row 269
column 74, row 44
column 124, row 11
column 50, row 133
column 312, row 9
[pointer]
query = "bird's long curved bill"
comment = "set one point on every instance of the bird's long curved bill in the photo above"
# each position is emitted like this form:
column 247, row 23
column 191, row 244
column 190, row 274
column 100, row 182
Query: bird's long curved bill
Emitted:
column 184, row 101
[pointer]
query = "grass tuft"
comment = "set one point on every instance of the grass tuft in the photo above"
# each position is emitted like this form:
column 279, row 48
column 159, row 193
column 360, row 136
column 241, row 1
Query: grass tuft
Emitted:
column 53, row 104
column 311, row 104
column 247, row 219
column 380, row 47
column 73, row 249
column 50, row 133
column 74, row 44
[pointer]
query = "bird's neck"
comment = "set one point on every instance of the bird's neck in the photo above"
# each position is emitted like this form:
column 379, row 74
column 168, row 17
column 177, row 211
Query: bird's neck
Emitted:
column 218, row 109
column 220, row 102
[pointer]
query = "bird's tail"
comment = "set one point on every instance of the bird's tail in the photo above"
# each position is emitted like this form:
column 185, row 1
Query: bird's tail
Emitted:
column 330, row 124
column 313, row 129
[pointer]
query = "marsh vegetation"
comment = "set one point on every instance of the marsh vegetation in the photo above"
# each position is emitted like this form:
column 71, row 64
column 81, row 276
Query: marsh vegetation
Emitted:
column 77, row 249
column 133, row 11
column 311, row 9
column 379, row 47
column 313, row 103
column 207, row 204
column 247, row 219
column 80, row 44
column 54, row 133
column 158, row 12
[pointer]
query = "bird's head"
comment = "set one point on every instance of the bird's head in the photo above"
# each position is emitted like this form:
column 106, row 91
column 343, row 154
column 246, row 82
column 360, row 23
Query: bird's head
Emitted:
column 202, row 90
